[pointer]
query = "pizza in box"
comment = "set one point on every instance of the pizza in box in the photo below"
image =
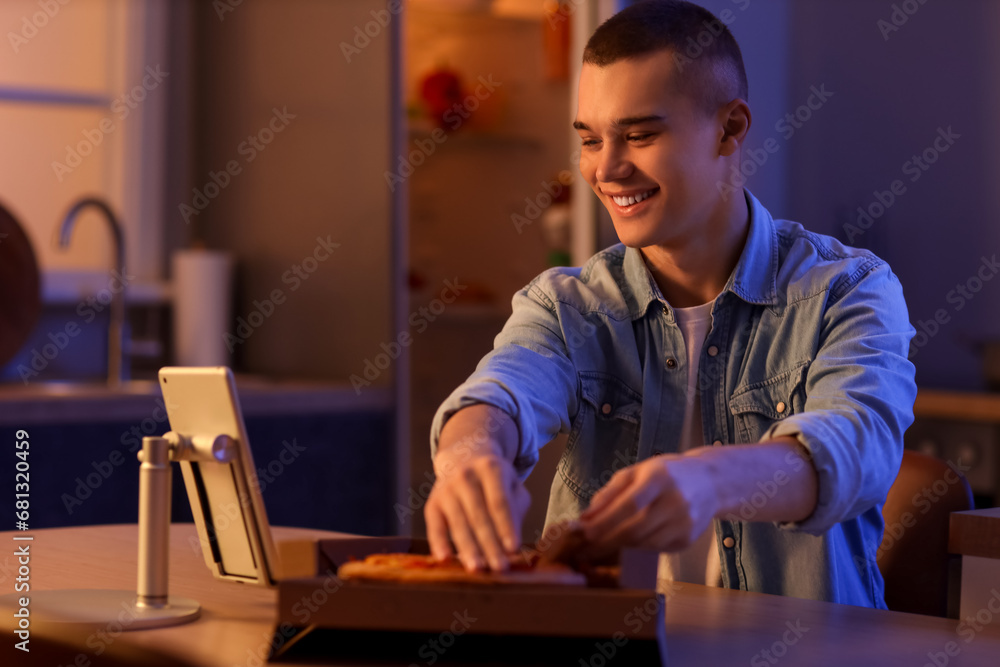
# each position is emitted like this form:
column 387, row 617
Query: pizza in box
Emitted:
column 553, row 561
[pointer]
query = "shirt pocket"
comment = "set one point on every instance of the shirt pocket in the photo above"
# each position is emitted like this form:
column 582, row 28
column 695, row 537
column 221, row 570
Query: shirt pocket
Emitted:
column 604, row 437
column 757, row 406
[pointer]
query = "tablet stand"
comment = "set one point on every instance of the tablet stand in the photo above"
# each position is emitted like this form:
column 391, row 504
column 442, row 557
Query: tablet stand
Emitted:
column 150, row 606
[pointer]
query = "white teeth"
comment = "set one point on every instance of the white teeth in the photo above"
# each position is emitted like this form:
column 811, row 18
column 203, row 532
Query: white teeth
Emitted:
column 628, row 201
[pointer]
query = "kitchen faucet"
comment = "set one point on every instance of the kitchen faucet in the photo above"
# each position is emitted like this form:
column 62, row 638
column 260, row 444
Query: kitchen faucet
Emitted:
column 116, row 319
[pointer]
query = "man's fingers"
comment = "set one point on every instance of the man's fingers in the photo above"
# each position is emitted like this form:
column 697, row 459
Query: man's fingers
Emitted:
column 645, row 525
column 607, row 538
column 634, row 511
column 498, row 502
column 461, row 533
column 473, row 499
column 437, row 532
column 619, row 510
column 638, row 529
column 606, row 494
column 481, row 506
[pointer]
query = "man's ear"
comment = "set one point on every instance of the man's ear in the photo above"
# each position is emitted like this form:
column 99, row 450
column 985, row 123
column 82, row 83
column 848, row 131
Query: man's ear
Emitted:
column 735, row 118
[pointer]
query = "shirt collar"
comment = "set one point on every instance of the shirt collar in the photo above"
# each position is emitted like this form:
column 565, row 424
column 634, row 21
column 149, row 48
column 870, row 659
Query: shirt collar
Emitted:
column 754, row 279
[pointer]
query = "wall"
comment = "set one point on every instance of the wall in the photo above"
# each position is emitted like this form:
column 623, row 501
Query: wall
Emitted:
column 894, row 85
column 81, row 115
column 762, row 31
column 321, row 176
column 893, row 93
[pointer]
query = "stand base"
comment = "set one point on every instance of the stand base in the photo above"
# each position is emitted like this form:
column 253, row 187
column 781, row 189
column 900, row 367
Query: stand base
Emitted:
column 115, row 610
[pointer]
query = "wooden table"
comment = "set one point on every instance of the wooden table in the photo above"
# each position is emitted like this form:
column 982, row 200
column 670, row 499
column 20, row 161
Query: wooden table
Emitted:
column 705, row 626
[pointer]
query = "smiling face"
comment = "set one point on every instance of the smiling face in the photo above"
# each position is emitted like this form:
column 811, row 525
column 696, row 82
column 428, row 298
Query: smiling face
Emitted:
column 651, row 153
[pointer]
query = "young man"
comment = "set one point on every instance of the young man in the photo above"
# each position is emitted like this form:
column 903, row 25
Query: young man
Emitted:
column 745, row 381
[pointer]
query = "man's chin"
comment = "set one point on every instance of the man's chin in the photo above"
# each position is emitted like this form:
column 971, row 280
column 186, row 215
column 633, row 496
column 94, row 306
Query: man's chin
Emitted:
column 633, row 240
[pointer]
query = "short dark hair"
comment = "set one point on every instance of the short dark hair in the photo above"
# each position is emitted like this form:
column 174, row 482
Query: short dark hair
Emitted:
column 704, row 50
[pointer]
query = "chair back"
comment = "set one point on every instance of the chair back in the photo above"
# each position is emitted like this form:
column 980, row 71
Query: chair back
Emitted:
column 913, row 557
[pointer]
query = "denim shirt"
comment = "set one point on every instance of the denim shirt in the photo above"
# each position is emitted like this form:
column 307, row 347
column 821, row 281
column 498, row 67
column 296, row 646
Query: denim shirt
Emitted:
column 809, row 338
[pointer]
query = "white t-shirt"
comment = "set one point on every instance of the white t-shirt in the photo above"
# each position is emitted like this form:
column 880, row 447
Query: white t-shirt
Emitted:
column 699, row 563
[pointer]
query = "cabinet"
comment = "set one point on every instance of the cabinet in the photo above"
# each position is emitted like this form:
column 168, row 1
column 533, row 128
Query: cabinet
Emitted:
column 328, row 174
column 475, row 175
column 320, row 452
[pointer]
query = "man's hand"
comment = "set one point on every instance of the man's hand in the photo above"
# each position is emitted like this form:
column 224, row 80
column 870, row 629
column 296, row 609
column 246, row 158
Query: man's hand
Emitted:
column 477, row 499
column 667, row 501
column 662, row 503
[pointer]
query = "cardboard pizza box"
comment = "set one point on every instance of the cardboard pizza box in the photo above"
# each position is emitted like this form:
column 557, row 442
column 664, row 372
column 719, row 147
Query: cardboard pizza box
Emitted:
column 423, row 623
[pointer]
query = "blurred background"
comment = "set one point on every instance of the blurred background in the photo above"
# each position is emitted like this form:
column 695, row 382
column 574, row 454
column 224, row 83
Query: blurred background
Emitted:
column 338, row 199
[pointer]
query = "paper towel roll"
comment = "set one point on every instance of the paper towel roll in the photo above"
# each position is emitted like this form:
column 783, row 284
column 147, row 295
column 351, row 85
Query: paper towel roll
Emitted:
column 202, row 288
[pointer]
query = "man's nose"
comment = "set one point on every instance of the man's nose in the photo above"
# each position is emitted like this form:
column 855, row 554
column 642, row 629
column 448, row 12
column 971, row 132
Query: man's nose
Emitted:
column 613, row 164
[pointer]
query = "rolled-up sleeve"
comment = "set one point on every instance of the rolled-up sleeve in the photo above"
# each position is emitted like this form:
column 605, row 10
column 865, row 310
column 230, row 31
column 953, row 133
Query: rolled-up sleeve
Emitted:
column 528, row 374
column 860, row 391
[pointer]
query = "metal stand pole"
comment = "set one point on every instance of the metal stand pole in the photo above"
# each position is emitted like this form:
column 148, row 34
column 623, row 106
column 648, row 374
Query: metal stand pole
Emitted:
column 150, row 606
column 154, row 522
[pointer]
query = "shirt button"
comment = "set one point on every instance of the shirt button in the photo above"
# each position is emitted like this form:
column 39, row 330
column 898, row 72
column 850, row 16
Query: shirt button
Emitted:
column 780, row 407
column 717, row 443
column 606, row 408
column 728, row 542
column 671, row 363
column 712, row 350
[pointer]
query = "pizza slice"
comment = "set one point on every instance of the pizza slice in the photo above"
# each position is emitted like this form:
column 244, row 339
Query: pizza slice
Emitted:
column 525, row 569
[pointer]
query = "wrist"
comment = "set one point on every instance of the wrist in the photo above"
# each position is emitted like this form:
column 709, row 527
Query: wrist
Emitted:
column 759, row 482
column 709, row 464
column 458, row 454
column 478, row 430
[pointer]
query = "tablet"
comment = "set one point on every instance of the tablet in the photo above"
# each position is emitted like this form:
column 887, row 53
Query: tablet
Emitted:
column 225, row 498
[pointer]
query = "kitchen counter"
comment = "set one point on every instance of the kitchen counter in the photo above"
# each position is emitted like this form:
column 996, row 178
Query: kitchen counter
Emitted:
column 962, row 427
column 964, row 405
column 305, row 437
column 92, row 402
column 87, row 402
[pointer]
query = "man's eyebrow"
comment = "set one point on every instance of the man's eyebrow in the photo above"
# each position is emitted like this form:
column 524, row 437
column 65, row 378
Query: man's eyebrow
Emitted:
column 624, row 122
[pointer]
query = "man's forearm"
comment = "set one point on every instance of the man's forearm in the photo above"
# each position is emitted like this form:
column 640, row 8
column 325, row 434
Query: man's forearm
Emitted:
column 479, row 429
column 768, row 481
